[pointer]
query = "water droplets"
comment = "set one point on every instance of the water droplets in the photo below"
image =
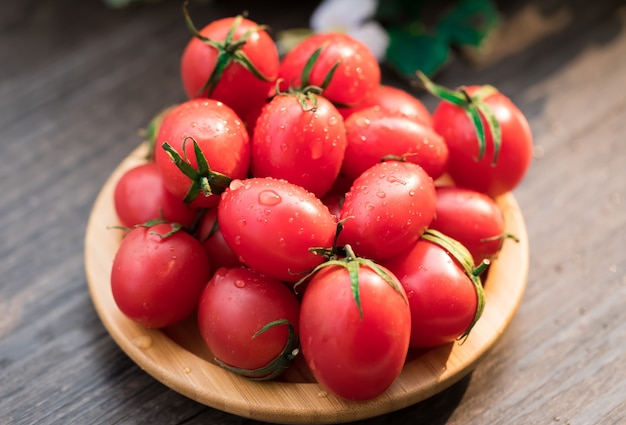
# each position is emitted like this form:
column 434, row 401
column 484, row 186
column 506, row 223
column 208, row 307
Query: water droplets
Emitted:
column 269, row 197
column 240, row 283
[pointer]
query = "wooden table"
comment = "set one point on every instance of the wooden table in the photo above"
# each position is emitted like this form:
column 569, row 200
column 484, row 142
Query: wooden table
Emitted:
column 77, row 80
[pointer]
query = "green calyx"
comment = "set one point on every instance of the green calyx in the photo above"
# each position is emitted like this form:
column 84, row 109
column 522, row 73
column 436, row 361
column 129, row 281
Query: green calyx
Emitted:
column 462, row 255
column 307, row 93
column 475, row 108
column 204, row 180
column 352, row 263
column 229, row 51
column 279, row 364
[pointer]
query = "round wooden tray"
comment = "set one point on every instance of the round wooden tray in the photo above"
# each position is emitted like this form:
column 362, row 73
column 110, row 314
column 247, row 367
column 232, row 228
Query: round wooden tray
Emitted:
column 177, row 357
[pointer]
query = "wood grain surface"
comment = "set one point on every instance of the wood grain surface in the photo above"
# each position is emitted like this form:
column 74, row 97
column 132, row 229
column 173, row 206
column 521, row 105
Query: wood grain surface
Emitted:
column 77, row 81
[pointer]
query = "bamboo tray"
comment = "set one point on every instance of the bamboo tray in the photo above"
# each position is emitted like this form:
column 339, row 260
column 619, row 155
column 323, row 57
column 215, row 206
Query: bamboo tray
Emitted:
column 177, row 357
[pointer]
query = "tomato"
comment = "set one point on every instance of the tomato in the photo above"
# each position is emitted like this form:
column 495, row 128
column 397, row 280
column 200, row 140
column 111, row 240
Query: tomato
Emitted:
column 357, row 74
column 395, row 100
column 373, row 133
column 239, row 63
column 466, row 167
column 271, row 224
column 355, row 352
column 158, row 275
column 234, row 308
column 387, row 208
column 218, row 251
column 141, row 196
column 222, row 139
column 303, row 144
column 472, row 218
column 442, row 298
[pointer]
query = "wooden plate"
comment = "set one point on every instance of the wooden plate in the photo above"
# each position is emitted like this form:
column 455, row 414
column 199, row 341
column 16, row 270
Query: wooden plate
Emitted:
column 176, row 356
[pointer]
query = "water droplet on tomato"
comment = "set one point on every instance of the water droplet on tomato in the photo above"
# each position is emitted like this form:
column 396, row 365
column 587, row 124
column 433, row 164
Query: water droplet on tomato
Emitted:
column 394, row 179
column 239, row 283
column 363, row 122
column 242, row 222
column 282, row 242
column 237, row 240
column 332, row 120
column 235, row 184
column 381, row 194
column 411, row 192
column 269, row 197
column 369, row 206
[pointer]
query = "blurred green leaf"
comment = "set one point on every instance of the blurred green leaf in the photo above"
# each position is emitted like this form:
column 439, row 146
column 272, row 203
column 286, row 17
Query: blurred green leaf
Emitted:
column 410, row 51
column 468, row 22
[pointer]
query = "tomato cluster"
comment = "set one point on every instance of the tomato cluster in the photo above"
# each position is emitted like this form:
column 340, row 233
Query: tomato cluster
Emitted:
column 296, row 205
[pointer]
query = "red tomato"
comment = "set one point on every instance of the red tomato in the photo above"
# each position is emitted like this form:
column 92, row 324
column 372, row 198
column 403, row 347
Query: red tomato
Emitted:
column 472, row 218
column 304, row 145
column 235, row 306
column 234, row 84
column 218, row 251
column 515, row 154
column 222, row 138
column 373, row 133
column 395, row 100
column 355, row 79
column 271, row 224
column 390, row 206
column 355, row 353
column 141, row 196
column 158, row 276
column 442, row 297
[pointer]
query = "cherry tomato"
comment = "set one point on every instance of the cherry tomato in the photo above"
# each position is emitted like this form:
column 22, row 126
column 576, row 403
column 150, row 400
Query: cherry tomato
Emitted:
column 472, row 218
column 395, row 100
column 247, row 54
column 271, row 224
column 141, row 196
column 441, row 296
column 466, row 167
column 373, row 133
column 158, row 275
column 387, row 208
column 235, row 307
column 303, row 144
column 222, row 139
column 354, row 351
column 219, row 252
column 357, row 74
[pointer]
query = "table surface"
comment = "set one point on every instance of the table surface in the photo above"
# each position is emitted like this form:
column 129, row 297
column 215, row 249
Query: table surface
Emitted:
column 78, row 79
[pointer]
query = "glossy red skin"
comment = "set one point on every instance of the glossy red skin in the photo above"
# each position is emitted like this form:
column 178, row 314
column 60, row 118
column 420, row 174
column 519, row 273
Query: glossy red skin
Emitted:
column 391, row 204
column 472, row 218
column 238, row 87
column 221, row 135
column 354, row 358
column 373, row 133
column 356, row 77
column 141, row 196
column 396, row 100
column 305, row 147
column 271, row 224
column 237, row 303
column 219, row 252
column 515, row 154
column 157, row 281
column 442, row 298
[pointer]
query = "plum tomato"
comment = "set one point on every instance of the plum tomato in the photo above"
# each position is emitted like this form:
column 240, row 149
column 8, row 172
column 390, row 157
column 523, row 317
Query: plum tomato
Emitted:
column 387, row 209
column 233, row 60
column 395, row 100
column 303, row 143
column 373, row 134
column 140, row 196
column 355, row 78
column 272, row 224
column 354, row 332
column 158, row 275
column 442, row 297
column 493, row 171
column 472, row 218
column 221, row 137
column 249, row 322
column 209, row 234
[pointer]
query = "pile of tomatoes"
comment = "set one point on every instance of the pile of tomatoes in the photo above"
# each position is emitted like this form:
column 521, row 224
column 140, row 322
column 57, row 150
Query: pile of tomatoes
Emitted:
column 296, row 206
